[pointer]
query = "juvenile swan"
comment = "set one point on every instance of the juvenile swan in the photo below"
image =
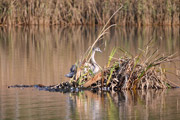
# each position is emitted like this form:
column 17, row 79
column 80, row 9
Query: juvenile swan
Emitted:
column 92, row 65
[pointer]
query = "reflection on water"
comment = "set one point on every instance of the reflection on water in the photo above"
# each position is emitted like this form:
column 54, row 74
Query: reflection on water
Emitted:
column 30, row 104
column 43, row 55
column 126, row 105
column 33, row 104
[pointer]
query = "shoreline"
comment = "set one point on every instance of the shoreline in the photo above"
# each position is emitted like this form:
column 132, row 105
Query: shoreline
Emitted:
column 82, row 25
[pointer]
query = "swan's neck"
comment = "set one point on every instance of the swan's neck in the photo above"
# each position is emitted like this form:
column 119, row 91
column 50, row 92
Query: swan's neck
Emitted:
column 92, row 58
column 95, row 67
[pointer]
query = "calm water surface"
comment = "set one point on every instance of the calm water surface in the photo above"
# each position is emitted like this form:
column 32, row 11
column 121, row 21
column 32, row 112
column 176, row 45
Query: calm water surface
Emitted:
column 43, row 55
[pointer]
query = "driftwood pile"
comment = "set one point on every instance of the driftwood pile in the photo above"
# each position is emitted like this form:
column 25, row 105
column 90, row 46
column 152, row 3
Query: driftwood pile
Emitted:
column 126, row 74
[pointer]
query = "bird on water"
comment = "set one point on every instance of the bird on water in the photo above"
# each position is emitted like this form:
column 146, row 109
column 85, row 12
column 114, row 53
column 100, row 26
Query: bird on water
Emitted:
column 92, row 65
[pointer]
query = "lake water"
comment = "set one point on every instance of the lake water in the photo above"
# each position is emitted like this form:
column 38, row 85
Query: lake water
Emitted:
column 43, row 55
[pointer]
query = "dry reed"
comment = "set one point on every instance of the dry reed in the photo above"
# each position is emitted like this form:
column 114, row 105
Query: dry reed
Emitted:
column 68, row 12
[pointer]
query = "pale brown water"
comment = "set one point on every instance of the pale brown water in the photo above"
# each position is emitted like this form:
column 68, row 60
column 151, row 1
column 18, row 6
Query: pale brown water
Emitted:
column 43, row 55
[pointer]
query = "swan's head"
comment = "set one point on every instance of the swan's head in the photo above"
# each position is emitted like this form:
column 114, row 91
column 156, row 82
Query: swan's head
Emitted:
column 97, row 49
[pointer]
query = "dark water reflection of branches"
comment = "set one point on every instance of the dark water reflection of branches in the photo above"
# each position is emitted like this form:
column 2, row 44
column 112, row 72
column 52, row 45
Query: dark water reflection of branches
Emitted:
column 122, row 105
